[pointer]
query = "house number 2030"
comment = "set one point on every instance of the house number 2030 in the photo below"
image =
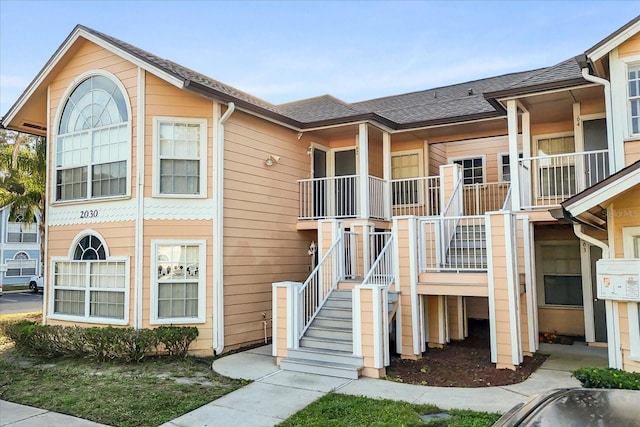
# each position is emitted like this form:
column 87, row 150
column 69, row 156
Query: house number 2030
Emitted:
column 89, row 214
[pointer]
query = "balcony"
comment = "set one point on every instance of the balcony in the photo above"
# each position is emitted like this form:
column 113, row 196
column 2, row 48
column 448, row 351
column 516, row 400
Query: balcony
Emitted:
column 546, row 181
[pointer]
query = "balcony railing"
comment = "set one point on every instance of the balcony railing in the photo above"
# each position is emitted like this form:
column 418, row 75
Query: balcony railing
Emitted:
column 416, row 196
column 331, row 197
column 482, row 198
column 548, row 180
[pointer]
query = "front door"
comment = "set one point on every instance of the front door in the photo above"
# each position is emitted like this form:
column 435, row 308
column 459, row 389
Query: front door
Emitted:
column 599, row 313
column 595, row 138
column 346, row 186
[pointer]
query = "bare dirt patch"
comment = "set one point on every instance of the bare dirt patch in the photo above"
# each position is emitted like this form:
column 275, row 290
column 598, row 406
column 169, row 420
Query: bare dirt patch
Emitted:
column 461, row 364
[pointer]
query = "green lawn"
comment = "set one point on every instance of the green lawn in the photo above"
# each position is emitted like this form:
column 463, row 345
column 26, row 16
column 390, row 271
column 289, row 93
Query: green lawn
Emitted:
column 338, row 410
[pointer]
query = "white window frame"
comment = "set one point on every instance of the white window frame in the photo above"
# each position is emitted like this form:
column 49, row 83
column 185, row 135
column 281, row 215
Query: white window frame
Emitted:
column 86, row 318
column 629, row 66
column 633, row 308
column 542, row 302
column 204, row 131
column 420, row 153
column 202, row 275
column 500, row 158
column 54, row 169
column 32, row 260
column 452, row 160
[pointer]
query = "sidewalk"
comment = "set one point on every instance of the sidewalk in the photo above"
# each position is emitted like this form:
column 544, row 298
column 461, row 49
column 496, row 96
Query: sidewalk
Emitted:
column 275, row 395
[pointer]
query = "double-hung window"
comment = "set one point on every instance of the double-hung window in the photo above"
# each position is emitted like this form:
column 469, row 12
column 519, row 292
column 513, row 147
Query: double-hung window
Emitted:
column 93, row 142
column 178, row 284
column 404, row 166
column 91, row 286
column 180, row 160
column 21, row 266
column 504, row 166
column 19, row 231
column 634, row 98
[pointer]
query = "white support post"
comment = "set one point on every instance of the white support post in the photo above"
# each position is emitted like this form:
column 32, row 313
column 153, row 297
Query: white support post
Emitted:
column 363, row 162
column 415, row 303
column 513, row 288
column 512, row 125
column 386, row 173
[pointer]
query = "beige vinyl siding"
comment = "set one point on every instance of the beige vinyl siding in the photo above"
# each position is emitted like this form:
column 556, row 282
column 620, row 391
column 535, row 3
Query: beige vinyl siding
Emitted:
column 119, row 238
column 261, row 244
column 477, row 307
column 89, row 56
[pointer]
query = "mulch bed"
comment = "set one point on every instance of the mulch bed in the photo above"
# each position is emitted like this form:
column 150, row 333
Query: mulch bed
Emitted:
column 461, row 364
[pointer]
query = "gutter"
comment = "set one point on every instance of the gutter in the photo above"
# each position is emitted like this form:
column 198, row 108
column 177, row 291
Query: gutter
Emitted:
column 613, row 153
column 218, row 235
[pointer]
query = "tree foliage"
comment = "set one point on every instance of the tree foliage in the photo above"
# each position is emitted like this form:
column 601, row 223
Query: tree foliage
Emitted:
column 23, row 177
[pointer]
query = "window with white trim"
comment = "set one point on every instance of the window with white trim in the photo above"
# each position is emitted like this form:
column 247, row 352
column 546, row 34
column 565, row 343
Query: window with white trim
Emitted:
column 633, row 81
column 178, row 290
column 21, row 266
column 504, row 167
column 561, row 274
column 472, row 169
column 404, row 166
column 19, row 231
column 180, row 150
column 556, row 172
column 91, row 286
column 93, row 142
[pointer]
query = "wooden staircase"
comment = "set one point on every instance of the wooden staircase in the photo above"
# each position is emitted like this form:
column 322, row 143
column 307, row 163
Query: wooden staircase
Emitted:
column 327, row 346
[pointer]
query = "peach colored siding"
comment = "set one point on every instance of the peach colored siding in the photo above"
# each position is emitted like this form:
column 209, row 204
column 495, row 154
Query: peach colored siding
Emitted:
column 631, row 151
column 489, row 147
column 477, row 308
column 261, row 243
column 90, row 57
column 166, row 100
column 630, row 47
column 437, row 157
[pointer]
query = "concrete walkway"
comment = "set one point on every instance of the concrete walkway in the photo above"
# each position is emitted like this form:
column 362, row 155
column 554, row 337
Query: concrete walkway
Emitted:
column 275, row 395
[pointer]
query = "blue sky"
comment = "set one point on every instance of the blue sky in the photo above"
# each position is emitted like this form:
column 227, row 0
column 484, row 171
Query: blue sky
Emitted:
column 291, row 50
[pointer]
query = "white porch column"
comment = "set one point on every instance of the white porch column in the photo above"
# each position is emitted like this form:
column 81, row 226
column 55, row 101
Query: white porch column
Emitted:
column 363, row 172
column 386, row 173
column 512, row 125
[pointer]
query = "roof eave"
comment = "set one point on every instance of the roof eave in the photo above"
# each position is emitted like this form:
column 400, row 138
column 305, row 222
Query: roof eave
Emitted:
column 612, row 41
column 450, row 120
column 533, row 89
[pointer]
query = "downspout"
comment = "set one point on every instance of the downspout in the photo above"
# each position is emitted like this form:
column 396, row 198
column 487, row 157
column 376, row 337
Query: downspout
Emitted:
column 218, row 236
column 613, row 153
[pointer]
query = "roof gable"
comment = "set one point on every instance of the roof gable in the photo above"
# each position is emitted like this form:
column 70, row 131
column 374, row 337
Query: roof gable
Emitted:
column 614, row 40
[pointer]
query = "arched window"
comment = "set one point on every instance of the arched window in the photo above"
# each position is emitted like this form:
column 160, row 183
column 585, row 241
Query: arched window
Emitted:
column 21, row 266
column 93, row 143
column 19, row 231
column 91, row 285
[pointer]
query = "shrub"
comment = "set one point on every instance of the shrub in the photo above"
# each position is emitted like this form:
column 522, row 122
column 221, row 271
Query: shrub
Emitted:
column 176, row 340
column 607, row 378
column 101, row 343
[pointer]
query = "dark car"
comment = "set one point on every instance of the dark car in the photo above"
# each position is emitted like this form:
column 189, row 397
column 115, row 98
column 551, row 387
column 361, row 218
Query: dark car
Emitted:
column 579, row 407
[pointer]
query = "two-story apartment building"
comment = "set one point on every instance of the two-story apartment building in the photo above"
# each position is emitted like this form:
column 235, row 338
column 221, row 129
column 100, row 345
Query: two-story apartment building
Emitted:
column 19, row 249
column 173, row 198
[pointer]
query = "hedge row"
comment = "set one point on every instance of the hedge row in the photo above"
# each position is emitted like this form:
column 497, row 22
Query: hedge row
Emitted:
column 607, row 378
column 108, row 343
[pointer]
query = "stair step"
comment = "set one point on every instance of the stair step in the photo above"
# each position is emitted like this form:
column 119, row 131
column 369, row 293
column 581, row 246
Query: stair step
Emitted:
column 331, row 333
column 336, row 313
column 338, row 303
column 332, row 322
column 342, row 293
column 339, row 370
column 468, row 244
column 329, row 356
column 326, row 344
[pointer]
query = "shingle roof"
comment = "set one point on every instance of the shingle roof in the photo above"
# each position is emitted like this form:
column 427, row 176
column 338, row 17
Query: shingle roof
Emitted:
column 447, row 104
column 320, row 108
column 443, row 102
